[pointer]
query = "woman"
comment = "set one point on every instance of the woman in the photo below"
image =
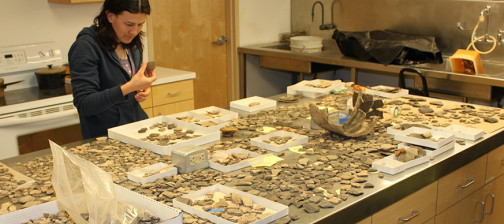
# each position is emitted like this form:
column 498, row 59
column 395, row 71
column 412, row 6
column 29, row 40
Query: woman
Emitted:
column 108, row 74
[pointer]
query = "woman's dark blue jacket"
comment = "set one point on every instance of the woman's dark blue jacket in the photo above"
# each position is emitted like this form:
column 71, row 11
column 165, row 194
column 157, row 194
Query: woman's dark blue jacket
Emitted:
column 97, row 76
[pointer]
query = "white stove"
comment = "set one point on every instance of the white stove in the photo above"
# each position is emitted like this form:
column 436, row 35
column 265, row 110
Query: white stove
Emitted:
column 25, row 109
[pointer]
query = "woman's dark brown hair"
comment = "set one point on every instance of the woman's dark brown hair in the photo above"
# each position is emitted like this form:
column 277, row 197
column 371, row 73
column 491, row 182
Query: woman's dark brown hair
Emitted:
column 104, row 28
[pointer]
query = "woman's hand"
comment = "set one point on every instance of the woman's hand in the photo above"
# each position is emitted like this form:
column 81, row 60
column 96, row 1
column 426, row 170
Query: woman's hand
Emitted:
column 143, row 95
column 139, row 82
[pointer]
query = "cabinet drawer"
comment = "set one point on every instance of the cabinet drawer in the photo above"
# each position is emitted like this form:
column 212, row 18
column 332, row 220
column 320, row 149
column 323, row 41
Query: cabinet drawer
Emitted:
column 461, row 183
column 365, row 221
column 173, row 108
column 495, row 165
column 172, row 92
column 468, row 210
column 419, row 207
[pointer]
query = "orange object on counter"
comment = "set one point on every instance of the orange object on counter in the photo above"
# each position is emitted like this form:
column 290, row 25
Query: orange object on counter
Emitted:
column 466, row 62
column 357, row 87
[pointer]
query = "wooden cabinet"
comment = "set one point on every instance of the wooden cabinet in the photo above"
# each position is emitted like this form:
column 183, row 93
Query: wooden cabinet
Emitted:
column 460, row 183
column 494, row 201
column 468, row 210
column 418, row 207
column 365, row 221
column 495, row 166
column 170, row 98
column 74, row 1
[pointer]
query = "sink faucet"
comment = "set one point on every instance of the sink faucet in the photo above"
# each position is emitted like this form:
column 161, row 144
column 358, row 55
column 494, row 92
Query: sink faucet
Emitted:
column 322, row 26
column 333, row 26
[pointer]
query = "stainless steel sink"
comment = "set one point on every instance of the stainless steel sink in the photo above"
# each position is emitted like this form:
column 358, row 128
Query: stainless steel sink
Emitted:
column 490, row 68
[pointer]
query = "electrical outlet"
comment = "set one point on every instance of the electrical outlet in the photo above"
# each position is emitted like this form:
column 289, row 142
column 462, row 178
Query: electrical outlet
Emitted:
column 196, row 159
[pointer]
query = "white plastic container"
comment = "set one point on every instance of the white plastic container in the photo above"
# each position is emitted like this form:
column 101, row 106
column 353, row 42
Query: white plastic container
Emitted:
column 391, row 165
column 278, row 210
column 306, row 90
column 464, row 132
column 306, row 44
column 297, row 139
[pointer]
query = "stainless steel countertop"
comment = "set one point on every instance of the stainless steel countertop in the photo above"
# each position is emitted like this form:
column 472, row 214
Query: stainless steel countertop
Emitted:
column 386, row 191
column 331, row 55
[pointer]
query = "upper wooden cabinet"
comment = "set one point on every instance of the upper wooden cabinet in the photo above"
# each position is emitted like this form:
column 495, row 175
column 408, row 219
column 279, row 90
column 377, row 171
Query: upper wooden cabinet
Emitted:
column 74, row 1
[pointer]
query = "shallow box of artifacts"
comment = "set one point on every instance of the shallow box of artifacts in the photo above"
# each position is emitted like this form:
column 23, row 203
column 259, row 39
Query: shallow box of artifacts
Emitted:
column 188, row 117
column 163, row 134
column 167, row 214
column 425, row 137
column 392, row 165
column 18, row 179
column 464, row 132
column 392, row 130
column 253, row 103
column 387, row 91
column 151, row 173
column 261, row 209
column 279, row 140
column 233, row 159
column 315, row 88
column 215, row 112
column 201, row 120
column 432, row 152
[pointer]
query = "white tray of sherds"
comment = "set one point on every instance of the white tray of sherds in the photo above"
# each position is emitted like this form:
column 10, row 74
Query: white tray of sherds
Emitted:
column 16, row 179
column 436, row 141
column 213, row 112
column 392, row 130
column 391, row 165
column 151, row 173
column 315, row 88
column 130, row 133
column 217, row 158
column 259, row 209
column 167, row 214
column 387, row 91
column 266, row 142
column 434, row 152
column 464, row 132
column 253, row 103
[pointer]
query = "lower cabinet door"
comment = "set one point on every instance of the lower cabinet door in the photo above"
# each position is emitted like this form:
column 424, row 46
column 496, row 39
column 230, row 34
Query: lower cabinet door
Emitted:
column 418, row 207
column 365, row 221
column 468, row 210
column 494, row 201
column 173, row 108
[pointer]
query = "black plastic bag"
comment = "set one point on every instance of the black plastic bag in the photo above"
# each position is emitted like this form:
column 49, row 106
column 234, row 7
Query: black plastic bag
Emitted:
column 387, row 47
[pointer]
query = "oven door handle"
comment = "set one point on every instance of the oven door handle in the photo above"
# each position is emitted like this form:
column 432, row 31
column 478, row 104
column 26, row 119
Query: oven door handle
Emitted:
column 40, row 118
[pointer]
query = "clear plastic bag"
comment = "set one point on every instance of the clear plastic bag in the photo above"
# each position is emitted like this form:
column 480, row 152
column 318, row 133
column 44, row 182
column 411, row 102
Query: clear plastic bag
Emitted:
column 87, row 192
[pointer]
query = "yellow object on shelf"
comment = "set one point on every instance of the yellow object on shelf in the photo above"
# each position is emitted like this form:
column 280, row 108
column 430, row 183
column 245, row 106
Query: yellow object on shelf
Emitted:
column 466, row 62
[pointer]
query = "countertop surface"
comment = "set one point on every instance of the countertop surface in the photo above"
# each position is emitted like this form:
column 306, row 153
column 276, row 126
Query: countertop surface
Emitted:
column 167, row 75
column 494, row 72
column 386, row 190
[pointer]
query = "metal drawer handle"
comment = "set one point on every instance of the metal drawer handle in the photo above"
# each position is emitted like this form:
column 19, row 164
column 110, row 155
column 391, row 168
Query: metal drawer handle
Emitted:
column 482, row 212
column 173, row 93
column 469, row 182
column 414, row 213
column 493, row 202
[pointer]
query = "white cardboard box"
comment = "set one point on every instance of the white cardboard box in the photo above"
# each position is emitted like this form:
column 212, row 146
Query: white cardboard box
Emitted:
column 297, row 139
column 433, row 152
column 243, row 104
column 137, row 174
column 403, row 136
column 164, row 212
column 196, row 117
column 379, row 91
column 257, row 158
column 129, row 134
column 313, row 92
column 278, row 209
column 464, row 132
